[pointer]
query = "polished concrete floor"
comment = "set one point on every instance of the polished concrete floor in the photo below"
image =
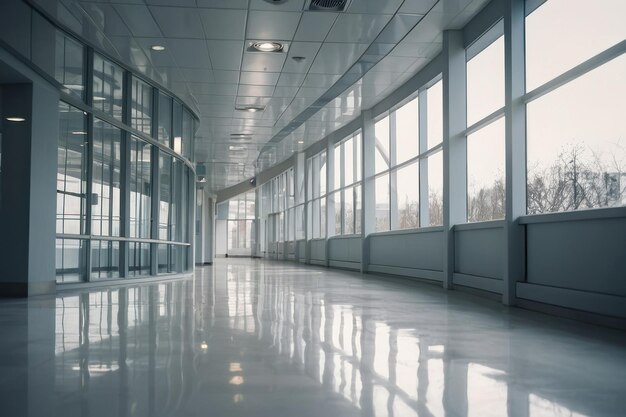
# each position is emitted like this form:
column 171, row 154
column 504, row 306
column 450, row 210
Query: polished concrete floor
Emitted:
column 261, row 339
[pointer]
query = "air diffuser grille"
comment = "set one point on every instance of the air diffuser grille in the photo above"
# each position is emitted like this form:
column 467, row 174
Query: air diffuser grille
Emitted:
column 327, row 5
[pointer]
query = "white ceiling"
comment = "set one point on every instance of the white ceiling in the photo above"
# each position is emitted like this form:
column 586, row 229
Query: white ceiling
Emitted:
column 206, row 63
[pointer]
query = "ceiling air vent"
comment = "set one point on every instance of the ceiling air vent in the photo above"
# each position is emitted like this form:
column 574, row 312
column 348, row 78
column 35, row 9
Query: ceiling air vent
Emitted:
column 327, row 5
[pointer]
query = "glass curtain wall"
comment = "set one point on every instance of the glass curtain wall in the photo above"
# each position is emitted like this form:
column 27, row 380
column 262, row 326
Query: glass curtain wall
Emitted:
column 124, row 197
column 347, row 185
column 240, row 225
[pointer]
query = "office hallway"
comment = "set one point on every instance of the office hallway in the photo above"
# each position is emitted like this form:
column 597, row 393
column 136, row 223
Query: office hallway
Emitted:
column 268, row 339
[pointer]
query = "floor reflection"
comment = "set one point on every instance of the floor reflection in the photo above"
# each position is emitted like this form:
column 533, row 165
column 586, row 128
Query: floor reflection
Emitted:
column 269, row 339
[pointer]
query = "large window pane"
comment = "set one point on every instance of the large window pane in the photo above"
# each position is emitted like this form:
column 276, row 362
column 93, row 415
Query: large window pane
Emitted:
column 138, row 258
column 187, row 134
column 348, row 161
column 434, row 114
column 337, row 168
column 358, row 158
column 407, row 131
column 71, row 171
column 70, row 260
column 485, row 173
column 141, row 111
column 165, row 196
column 300, row 222
column 577, row 143
column 69, row 62
column 165, row 119
column 140, row 188
column 382, row 203
column 337, row 199
column 178, row 127
column 106, row 191
column 322, row 172
column 382, row 157
column 105, row 259
column 485, row 82
column 108, row 80
column 406, row 192
column 561, row 34
column 348, row 211
column 323, row 217
column 435, row 189
column 357, row 209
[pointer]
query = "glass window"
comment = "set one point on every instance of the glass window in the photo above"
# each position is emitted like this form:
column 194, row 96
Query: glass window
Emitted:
column 348, row 161
column 138, row 258
column 187, row 145
column 141, row 113
column 382, row 203
column 434, row 114
column 382, row 158
column 348, row 211
column 69, row 61
column 323, row 217
column 107, row 174
column 577, row 143
column 322, row 171
column 71, row 171
column 485, row 82
column 178, row 127
column 140, row 188
column 166, row 200
column 358, row 158
column 407, row 131
column 337, row 168
column 337, row 200
column 581, row 33
column 70, row 260
column 300, row 222
column 108, row 80
column 485, row 173
column 105, row 259
column 309, row 179
column 357, row 209
column 435, row 189
column 165, row 119
column 405, row 189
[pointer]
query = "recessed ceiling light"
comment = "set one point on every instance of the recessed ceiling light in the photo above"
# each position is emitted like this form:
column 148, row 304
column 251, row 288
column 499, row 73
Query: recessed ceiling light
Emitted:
column 16, row 119
column 97, row 98
column 158, row 48
column 268, row 46
column 242, row 136
column 251, row 108
column 236, row 148
column 79, row 132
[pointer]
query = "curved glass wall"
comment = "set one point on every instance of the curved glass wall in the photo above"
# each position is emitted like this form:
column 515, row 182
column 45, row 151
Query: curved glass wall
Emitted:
column 125, row 180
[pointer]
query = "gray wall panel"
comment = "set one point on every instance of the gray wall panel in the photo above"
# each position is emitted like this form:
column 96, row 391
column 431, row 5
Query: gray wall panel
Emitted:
column 586, row 255
column 345, row 249
column 416, row 250
column 318, row 250
column 480, row 252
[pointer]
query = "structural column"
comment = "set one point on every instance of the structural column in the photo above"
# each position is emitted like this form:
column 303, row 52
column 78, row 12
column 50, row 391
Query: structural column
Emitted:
column 454, row 145
column 368, row 209
column 28, row 189
column 515, row 148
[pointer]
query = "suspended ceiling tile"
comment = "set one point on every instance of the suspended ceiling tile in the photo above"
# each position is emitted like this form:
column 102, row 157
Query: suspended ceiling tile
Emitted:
column 417, row 6
column 190, row 53
column 255, row 90
column 223, row 4
column 138, row 19
column 308, row 50
column 260, row 61
column 198, row 75
column 259, row 78
column 264, row 25
column 314, row 26
column 290, row 80
column 374, row 6
column 106, row 19
column 336, row 58
column 357, row 28
column 224, row 23
column 225, row 55
column 178, row 22
column 320, row 80
column 291, row 5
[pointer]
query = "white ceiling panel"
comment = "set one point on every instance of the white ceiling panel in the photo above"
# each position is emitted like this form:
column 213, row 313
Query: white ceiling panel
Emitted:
column 291, row 5
column 223, row 4
column 107, row 19
column 417, row 6
column 138, row 19
column 189, row 53
column 259, row 78
column 178, row 22
column 374, row 6
column 357, row 28
column 225, row 55
column 314, row 26
column 308, row 50
column 255, row 90
column 226, row 77
column 224, row 23
column 291, row 79
column 182, row 3
column 264, row 25
column 257, row 61
column 336, row 58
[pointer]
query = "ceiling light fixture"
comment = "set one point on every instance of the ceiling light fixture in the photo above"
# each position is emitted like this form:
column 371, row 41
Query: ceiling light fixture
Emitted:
column 16, row 119
column 96, row 98
column 158, row 48
column 79, row 132
column 236, row 148
column 241, row 136
column 300, row 142
column 267, row 46
column 251, row 108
